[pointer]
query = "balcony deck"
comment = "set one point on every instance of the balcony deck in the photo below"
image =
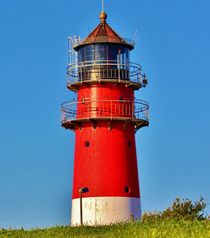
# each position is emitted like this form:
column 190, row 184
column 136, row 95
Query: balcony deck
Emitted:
column 105, row 71
column 96, row 110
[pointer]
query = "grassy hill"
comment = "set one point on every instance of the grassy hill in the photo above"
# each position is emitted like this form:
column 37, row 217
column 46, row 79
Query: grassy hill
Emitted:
column 163, row 228
column 184, row 219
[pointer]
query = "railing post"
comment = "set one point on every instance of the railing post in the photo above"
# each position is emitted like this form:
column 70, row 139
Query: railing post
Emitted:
column 89, row 106
column 119, row 63
column 99, row 73
column 123, row 107
column 133, row 109
column 111, row 109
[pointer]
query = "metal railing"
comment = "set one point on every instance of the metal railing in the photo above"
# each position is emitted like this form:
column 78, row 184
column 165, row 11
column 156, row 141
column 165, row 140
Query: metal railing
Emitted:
column 102, row 109
column 105, row 69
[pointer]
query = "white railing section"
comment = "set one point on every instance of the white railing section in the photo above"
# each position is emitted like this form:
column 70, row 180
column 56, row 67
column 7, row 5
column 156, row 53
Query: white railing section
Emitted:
column 105, row 69
column 111, row 109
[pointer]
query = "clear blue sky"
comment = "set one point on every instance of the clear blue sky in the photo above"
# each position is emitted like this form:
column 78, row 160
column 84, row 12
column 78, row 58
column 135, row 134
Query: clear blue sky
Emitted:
column 36, row 154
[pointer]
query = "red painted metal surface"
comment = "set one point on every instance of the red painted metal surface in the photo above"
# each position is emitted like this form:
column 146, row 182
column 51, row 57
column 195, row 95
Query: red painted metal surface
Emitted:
column 105, row 156
column 94, row 104
column 105, row 160
column 107, row 91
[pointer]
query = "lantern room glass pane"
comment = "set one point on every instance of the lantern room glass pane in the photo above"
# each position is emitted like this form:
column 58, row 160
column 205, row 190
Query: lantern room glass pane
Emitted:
column 118, row 53
column 112, row 52
column 86, row 53
column 101, row 52
column 81, row 55
column 104, row 52
column 89, row 50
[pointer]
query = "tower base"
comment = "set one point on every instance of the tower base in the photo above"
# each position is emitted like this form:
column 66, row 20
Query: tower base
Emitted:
column 105, row 210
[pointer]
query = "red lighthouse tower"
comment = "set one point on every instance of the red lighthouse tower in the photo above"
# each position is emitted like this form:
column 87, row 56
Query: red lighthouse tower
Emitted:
column 104, row 118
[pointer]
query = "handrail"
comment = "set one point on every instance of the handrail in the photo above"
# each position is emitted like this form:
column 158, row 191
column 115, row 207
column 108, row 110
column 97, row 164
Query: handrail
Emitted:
column 98, row 109
column 104, row 69
column 114, row 62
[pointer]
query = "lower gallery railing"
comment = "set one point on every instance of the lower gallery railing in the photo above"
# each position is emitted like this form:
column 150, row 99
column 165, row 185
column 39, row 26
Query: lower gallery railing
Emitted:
column 85, row 109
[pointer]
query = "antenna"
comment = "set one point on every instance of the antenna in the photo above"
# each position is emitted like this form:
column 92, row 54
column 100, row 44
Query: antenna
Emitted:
column 102, row 5
column 134, row 36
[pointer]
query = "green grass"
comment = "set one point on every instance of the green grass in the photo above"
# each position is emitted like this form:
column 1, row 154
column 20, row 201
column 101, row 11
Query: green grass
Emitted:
column 160, row 228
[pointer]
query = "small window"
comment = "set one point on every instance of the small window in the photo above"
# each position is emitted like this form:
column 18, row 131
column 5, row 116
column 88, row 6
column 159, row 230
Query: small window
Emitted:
column 127, row 189
column 83, row 190
column 87, row 143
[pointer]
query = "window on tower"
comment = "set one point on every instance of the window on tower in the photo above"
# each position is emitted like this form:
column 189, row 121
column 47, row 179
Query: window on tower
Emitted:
column 103, row 61
column 100, row 52
column 110, row 52
column 86, row 53
column 127, row 189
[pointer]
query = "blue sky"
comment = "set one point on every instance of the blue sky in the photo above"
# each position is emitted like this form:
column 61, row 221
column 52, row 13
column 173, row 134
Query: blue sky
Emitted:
column 36, row 154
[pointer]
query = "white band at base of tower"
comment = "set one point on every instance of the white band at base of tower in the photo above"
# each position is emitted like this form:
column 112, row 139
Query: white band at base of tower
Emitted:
column 105, row 210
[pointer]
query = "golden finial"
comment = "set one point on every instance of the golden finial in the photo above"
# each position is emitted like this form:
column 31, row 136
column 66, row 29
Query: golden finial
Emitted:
column 103, row 17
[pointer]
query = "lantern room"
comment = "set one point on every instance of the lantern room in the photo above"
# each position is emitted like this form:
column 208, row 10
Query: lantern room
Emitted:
column 103, row 55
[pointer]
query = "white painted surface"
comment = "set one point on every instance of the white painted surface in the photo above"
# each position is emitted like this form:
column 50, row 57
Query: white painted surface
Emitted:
column 105, row 210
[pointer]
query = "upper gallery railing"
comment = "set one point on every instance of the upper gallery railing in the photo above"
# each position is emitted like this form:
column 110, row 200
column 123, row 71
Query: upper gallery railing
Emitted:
column 105, row 70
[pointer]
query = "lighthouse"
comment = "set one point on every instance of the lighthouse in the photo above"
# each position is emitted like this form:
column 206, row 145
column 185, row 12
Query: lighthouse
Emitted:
column 104, row 117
